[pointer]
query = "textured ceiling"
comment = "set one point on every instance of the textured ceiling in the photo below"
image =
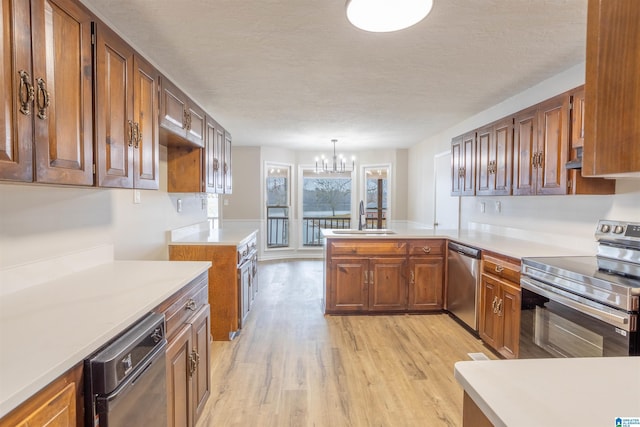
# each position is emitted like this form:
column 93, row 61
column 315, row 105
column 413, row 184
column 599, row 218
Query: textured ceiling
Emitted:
column 296, row 74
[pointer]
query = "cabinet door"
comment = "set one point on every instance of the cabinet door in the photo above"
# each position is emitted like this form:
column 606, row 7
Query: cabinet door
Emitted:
column 179, row 379
column 226, row 167
column 218, row 155
column 510, row 314
column 114, row 110
column 145, row 116
column 62, row 71
column 348, row 290
column 426, row 279
column 387, row 284
column 553, row 146
column 456, row 166
column 16, row 82
column 195, row 124
column 612, row 85
column 245, row 291
column 489, row 326
column 173, row 108
column 484, row 161
column 502, row 169
column 577, row 118
column 525, row 146
column 210, row 160
column 469, row 166
column 200, row 324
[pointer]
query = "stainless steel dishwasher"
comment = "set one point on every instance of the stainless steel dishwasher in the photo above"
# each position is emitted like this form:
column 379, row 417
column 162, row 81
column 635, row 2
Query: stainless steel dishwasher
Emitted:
column 463, row 283
column 125, row 382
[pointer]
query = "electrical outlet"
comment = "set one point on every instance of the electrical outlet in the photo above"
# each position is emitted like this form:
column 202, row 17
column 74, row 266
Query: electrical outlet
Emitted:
column 136, row 197
column 226, row 202
column 482, row 207
column 179, row 205
column 498, row 207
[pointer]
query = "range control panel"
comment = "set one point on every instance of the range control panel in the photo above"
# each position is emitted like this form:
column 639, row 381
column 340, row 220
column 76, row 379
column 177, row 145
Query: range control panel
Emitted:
column 618, row 230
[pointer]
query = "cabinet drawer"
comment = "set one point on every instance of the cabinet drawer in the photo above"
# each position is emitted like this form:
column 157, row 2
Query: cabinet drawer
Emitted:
column 246, row 249
column 182, row 308
column 426, row 247
column 505, row 268
column 368, row 247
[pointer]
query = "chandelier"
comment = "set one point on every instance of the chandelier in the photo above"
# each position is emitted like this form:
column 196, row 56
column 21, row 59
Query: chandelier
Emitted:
column 382, row 16
column 338, row 165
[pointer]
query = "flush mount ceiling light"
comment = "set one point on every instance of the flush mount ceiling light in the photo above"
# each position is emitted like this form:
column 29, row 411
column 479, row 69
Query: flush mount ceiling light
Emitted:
column 382, row 16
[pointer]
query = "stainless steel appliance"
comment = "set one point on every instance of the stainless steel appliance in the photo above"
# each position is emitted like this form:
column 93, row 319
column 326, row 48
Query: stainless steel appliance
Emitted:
column 125, row 382
column 584, row 306
column 463, row 283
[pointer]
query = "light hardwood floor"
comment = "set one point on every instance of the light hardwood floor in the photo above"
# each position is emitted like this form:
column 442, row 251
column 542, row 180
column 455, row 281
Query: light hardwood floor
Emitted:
column 293, row 366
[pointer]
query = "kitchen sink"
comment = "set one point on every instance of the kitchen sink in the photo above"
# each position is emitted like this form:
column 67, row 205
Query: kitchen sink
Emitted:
column 365, row 232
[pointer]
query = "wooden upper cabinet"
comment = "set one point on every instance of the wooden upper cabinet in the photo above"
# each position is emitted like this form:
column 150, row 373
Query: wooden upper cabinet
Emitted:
column 541, row 145
column 16, row 82
column 612, row 89
column 577, row 119
column 63, row 105
column 463, row 155
column 494, row 158
column 182, row 122
column 214, row 160
column 228, row 175
column 47, row 74
column 553, row 145
column 126, row 115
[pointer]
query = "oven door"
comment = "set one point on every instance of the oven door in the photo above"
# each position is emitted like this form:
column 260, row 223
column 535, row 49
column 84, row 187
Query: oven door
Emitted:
column 555, row 324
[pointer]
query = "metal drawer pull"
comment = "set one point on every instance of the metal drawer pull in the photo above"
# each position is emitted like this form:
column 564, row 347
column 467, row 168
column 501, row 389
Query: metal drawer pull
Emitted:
column 413, row 277
column 494, row 305
column 193, row 364
column 499, row 268
column 42, row 103
column 426, row 249
column 366, row 277
column 191, row 305
column 25, row 92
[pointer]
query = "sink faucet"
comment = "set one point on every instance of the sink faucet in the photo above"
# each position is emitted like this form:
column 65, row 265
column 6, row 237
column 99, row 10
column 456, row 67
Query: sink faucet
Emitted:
column 361, row 224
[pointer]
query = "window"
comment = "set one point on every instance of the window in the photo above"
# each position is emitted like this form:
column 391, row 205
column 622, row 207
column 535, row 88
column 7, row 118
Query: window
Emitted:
column 326, row 203
column 376, row 180
column 278, row 200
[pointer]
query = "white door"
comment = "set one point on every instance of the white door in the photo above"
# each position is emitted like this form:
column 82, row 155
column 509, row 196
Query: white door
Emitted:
column 447, row 207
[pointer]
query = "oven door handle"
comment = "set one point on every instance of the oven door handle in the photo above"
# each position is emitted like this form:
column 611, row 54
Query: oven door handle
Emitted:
column 607, row 317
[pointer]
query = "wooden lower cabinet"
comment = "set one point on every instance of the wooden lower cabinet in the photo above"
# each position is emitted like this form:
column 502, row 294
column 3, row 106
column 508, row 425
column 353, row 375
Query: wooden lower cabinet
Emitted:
column 59, row 404
column 368, row 284
column 426, row 279
column 384, row 276
column 188, row 367
column 499, row 323
column 188, row 322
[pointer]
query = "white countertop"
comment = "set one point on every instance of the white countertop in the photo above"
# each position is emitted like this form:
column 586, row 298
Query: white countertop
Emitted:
column 516, row 248
column 200, row 234
column 48, row 328
column 553, row 392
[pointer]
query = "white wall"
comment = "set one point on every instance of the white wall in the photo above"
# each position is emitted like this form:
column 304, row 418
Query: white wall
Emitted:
column 43, row 221
column 561, row 220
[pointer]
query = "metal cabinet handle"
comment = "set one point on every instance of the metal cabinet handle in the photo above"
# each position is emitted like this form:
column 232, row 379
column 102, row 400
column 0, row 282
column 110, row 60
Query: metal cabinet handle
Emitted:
column 499, row 268
column 426, row 249
column 130, row 123
column 216, row 164
column 499, row 307
column 193, row 364
column 42, row 98
column 412, row 280
column 226, row 168
column 25, row 93
column 366, row 277
column 190, row 305
column 494, row 305
column 371, row 277
column 138, row 135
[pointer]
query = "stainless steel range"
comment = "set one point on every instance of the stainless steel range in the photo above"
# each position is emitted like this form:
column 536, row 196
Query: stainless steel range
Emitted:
column 584, row 306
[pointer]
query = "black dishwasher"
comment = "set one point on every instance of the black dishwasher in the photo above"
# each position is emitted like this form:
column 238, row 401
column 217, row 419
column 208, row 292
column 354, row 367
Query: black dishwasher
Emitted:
column 125, row 381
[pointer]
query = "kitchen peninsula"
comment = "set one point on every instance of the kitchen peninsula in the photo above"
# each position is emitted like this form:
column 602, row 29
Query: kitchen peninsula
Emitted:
column 233, row 276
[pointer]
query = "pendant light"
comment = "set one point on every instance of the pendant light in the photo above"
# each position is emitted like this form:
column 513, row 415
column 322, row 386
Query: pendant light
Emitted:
column 382, row 16
column 338, row 164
